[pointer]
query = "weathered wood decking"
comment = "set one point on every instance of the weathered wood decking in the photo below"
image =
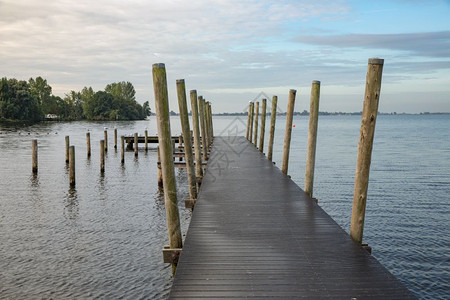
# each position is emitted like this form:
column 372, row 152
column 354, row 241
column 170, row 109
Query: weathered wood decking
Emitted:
column 255, row 234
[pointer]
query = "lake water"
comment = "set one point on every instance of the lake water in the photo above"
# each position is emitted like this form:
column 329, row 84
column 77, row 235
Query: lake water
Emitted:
column 104, row 238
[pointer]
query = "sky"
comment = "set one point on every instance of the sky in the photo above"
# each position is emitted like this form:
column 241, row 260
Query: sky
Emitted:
column 231, row 51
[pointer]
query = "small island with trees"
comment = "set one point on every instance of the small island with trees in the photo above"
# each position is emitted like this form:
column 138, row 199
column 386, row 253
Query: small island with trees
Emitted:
column 33, row 101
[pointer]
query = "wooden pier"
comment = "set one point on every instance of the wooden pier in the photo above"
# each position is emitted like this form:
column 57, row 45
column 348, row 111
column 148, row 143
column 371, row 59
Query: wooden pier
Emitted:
column 255, row 234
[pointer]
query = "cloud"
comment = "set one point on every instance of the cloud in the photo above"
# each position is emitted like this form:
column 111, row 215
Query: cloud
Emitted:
column 429, row 44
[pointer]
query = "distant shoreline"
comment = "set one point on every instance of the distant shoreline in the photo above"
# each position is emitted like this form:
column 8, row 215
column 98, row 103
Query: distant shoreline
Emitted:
column 324, row 113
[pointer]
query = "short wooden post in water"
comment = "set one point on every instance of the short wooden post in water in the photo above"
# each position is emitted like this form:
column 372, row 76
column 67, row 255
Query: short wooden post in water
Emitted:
column 136, row 143
column 167, row 167
column 106, row 140
column 287, row 134
column 67, row 148
column 273, row 118
column 72, row 165
column 146, row 140
column 368, row 120
column 196, row 131
column 312, row 137
column 102, row 156
column 182, row 104
column 252, row 114
column 247, row 133
column 88, row 144
column 34, row 156
column 122, row 149
column 255, row 133
column 202, row 124
column 158, row 162
column 115, row 138
column 263, row 125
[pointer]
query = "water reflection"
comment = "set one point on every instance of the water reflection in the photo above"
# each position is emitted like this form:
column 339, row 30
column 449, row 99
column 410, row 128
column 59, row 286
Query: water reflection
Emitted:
column 71, row 204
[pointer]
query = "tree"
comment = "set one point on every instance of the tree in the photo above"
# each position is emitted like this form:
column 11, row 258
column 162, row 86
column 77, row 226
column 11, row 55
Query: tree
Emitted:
column 99, row 106
column 42, row 92
column 146, row 110
column 17, row 102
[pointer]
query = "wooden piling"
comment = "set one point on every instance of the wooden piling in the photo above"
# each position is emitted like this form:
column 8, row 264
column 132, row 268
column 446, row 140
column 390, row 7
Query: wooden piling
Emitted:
column 164, row 136
column 247, row 133
column 255, row 133
column 115, row 138
column 102, row 156
column 106, row 139
column 146, row 140
column 34, row 156
column 122, row 149
column 252, row 114
column 72, row 165
column 182, row 104
column 208, row 123
column 368, row 120
column 263, row 125
column 273, row 118
column 288, row 132
column 136, row 144
column 211, row 125
column 205, row 121
column 202, row 124
column 67, row 148
column 312, row 137
column 88, row 144
column 196, row 131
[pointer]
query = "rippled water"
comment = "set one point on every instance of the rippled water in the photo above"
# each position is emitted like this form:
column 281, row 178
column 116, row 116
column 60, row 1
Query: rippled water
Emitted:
column 103, row 238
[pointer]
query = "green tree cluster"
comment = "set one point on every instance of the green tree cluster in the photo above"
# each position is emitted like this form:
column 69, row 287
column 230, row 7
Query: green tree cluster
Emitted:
column 32, row 100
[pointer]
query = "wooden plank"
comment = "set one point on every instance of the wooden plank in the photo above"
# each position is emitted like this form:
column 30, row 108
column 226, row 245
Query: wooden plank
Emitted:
column 255, row 234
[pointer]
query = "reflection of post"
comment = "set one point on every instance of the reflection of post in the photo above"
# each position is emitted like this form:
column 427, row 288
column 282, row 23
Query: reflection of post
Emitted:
column 195, row 124
column 255, row 133
column 158, row 164
column 102, row 156
column 88, row 144
column 287, row 134
column 34, row 156
column 273, row 117
column 67, row 148
column 122, row 149
column 202, row 124
column 312, row 137
column 247, row 133
column 182, row 104
column 368, row 119
column 72, row 165
column 167, row 167
column 263, row 125
column 252, row 114
column 136, row 143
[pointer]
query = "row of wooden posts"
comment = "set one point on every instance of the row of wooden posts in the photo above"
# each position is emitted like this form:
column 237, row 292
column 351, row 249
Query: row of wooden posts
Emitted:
column 369, row 114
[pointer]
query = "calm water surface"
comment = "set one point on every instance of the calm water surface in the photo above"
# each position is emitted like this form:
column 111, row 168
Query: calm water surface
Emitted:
column 103, row 238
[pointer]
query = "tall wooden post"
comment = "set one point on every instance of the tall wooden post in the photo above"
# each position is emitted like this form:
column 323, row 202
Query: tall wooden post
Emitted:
column 136, row 144
column 182, row 104
column 102, row 156
column 67, row 148
column 146, row 140
column 122, row 149
column 195, row 124
column 263, row 125
column 252, row 114
column 34, row 156
column 167, row 167
column 312, row 137
column 115, row 138
column 208, row 122
column 205, row 122
column 72, row 165
column 212, row 123
column 287, row 135
column 201, row 114
column 106, row 139
column 368, row 120
column 88, row 144
column 273, row 118
column 247, row 133
column 255, row 133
